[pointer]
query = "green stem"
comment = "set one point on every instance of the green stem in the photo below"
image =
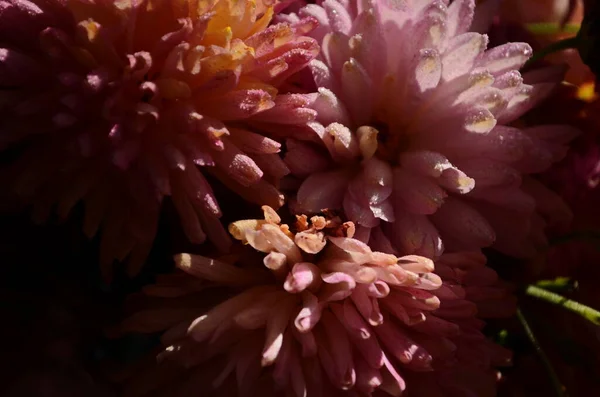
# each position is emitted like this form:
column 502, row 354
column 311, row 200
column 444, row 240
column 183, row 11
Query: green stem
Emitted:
column 558, row 284
column 584, row 311
column 552, row 28
column 585, row 235
column 556, row 383
column 565, row 44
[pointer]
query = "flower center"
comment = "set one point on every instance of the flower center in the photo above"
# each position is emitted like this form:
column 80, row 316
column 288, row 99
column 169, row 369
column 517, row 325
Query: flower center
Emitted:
column 390, row 142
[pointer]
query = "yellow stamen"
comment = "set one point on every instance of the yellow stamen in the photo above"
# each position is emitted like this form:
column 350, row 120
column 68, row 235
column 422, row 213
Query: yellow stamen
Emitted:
column 586, row 92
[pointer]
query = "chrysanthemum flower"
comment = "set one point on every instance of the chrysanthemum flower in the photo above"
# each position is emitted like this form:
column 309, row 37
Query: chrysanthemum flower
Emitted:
column 322, row 315
column 117, row 103
column 415, row 129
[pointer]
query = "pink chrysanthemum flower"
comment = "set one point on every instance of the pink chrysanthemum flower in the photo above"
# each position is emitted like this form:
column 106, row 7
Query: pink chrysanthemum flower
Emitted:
column 414, row 128
column 322, row 315
column 117, row 103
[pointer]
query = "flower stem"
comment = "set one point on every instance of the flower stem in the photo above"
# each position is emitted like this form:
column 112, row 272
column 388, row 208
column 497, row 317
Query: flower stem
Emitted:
column 556, row 383
column 590, row 236
column 584, row 311
column 552, row 28
column 558, row 284
column 565, row 44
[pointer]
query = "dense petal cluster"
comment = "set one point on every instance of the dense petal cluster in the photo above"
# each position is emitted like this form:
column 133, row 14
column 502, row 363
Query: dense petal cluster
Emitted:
column 322, row 315
column 394, row 117
column 416, row 133
column 576, row 179
column 463, row 358
column 117, row 103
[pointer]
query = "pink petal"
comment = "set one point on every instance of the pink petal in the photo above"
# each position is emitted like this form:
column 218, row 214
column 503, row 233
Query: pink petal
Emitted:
column 237, row 165
column 329, row 108
column 461, row 53
column 527, row 98
column 416, row 298
column 351, row 319
column 378, row 179
column 216, row 271
column 256, row 315
column 491, row 173
column 309, row 314
column 400, row 346
column 303, row 159
column 276, row 326
column 415, row 234
column 323, row 191
column 318, row 13
column 250, row 142
column 307, row 341
column 460, row 15
column 351, row 245
column 359, row 331
column 302, row 276
column 425, row 163
column 322, row 75
column 339, row 286
column 340, row 142
column 457, row 309
column 368, row 378
column 430, row 29
column 368, row 43
column 339, row 19
column 335, row 50
column 418, row 194
column 341, row 351
column 393, row 383
column 359, row 212
column 428, row 71
column 271, row 164
column 357, row 90
column 203, row 327
column 288, row 109
column 437, row 326
column 461, row 222
column 367, row 306
column 416, row 264
column 240, row 104
column 506, row 57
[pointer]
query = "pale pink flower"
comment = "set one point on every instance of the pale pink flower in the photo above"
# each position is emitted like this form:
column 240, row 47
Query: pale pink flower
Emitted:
column 320, row 316
column 121, row 103
column 415, row 134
